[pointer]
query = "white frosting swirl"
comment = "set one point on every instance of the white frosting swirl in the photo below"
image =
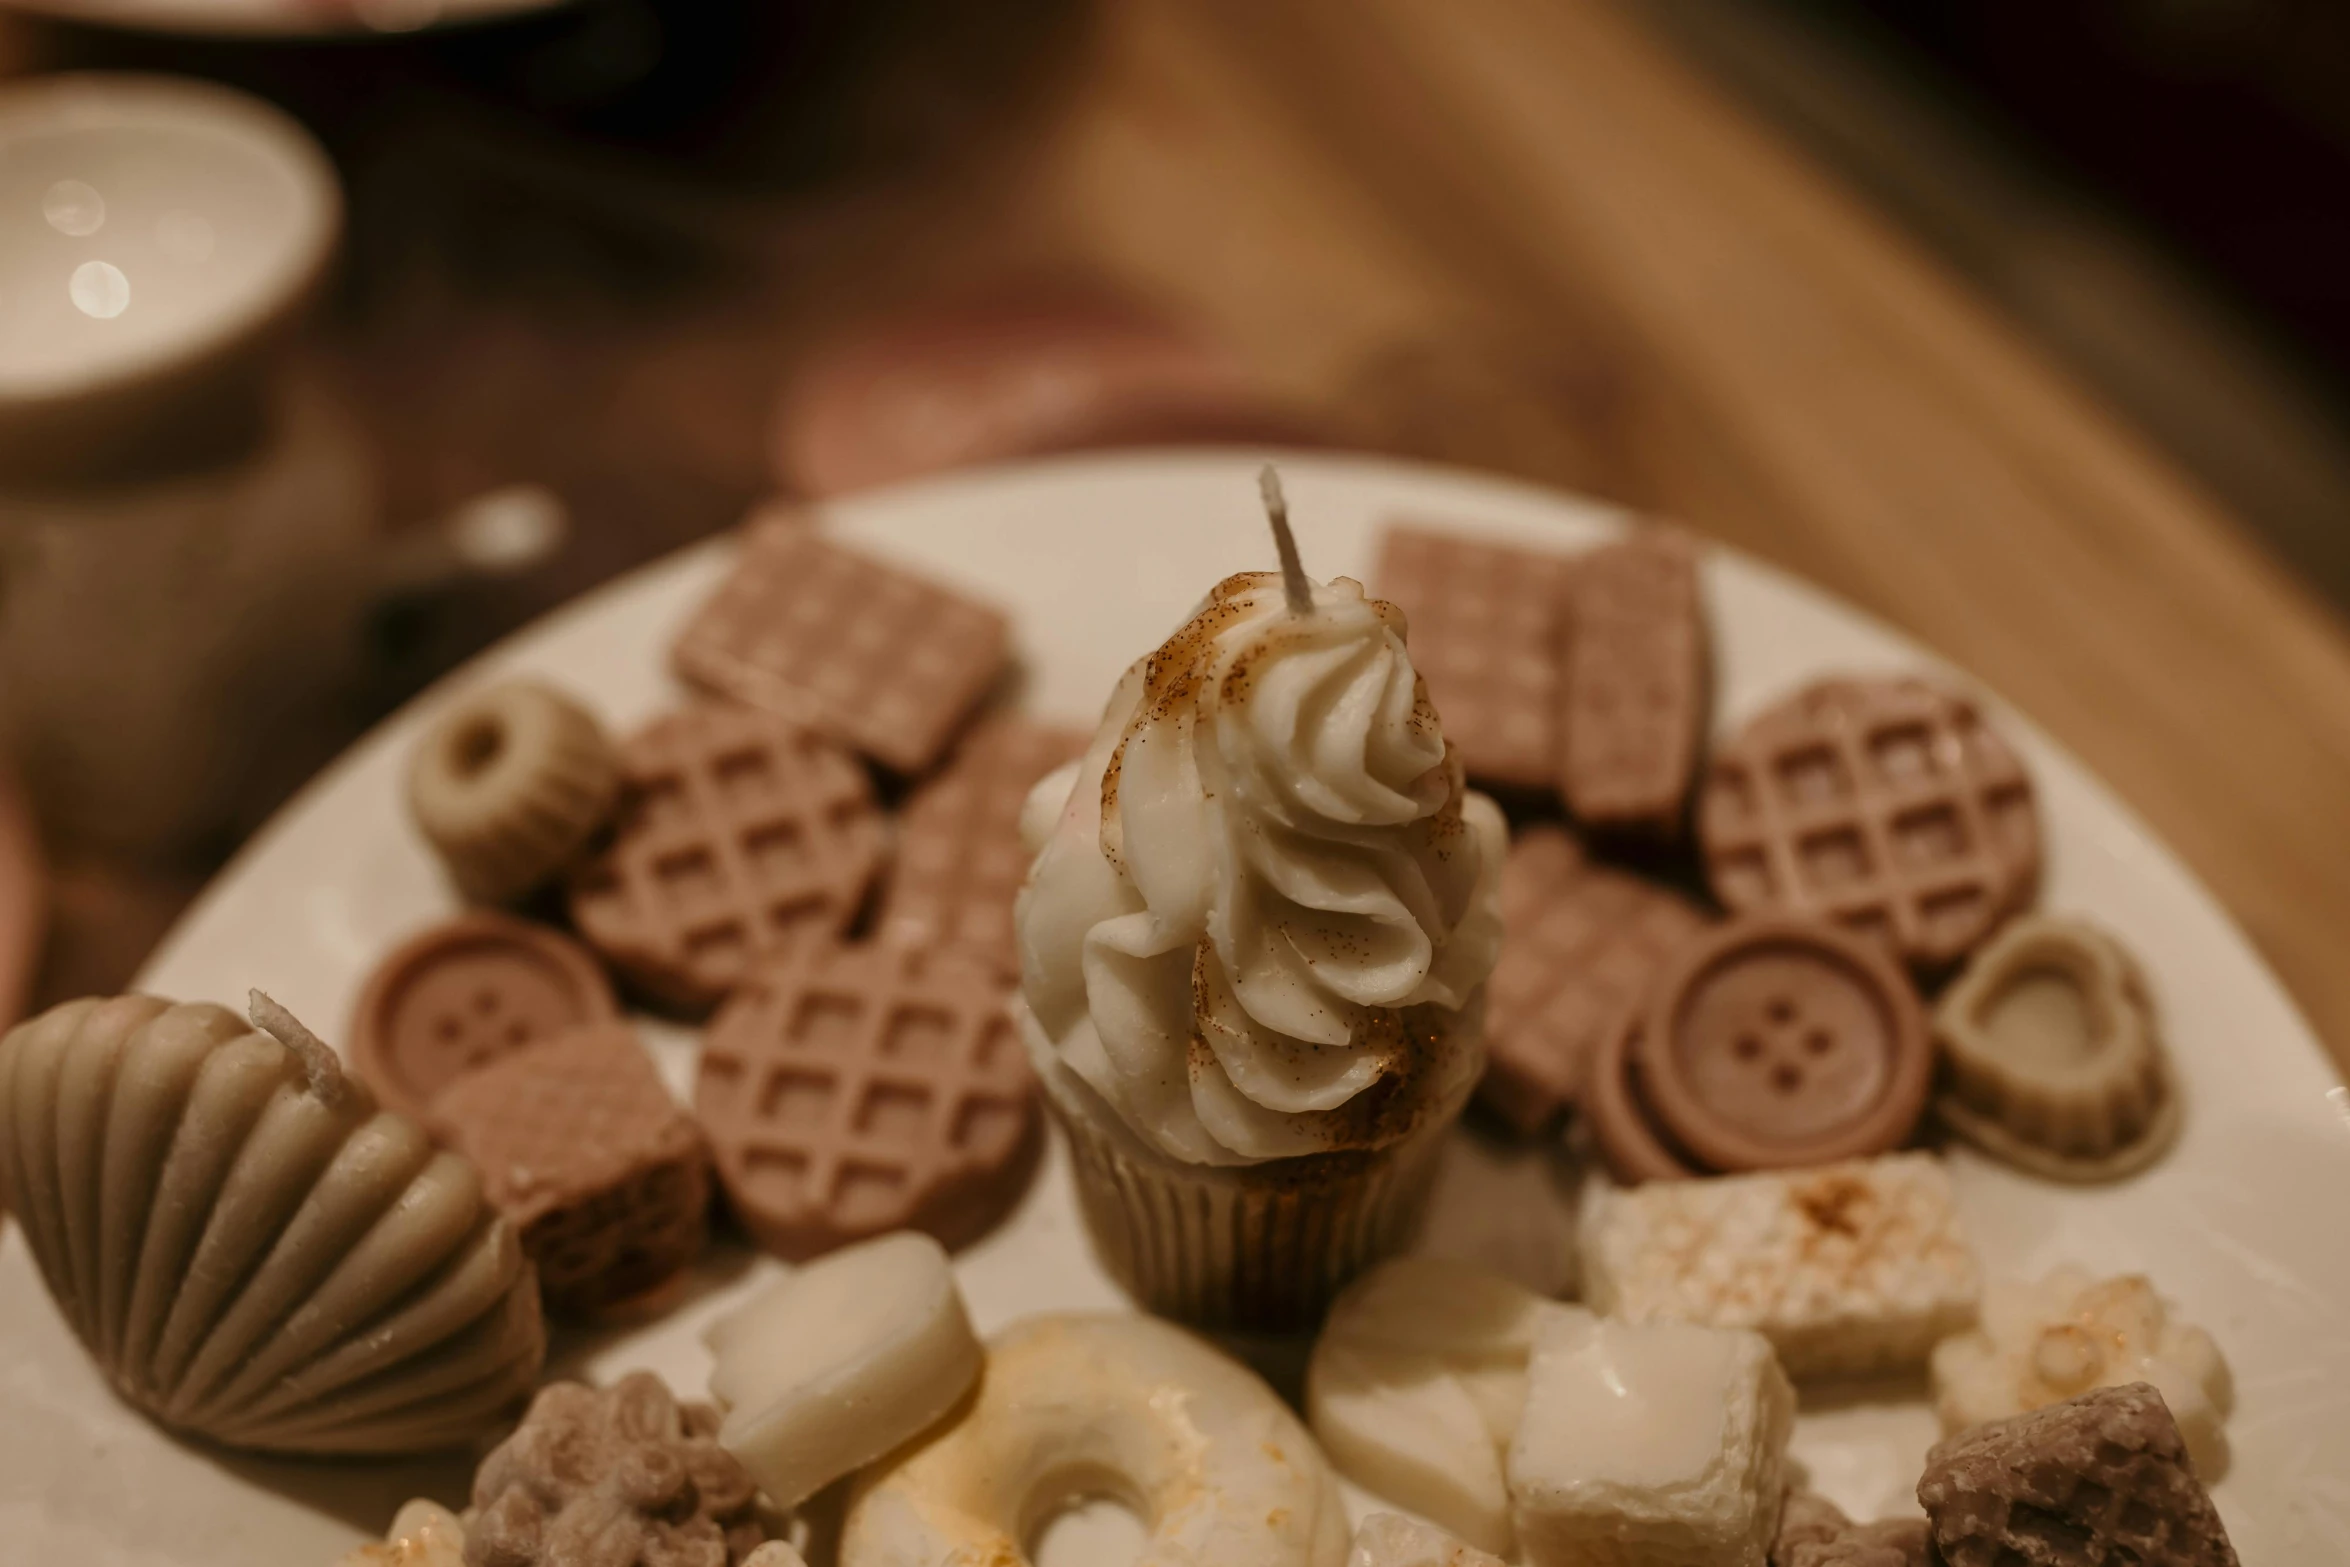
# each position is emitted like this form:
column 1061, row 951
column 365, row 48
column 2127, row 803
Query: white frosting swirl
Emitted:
column 1262, row 923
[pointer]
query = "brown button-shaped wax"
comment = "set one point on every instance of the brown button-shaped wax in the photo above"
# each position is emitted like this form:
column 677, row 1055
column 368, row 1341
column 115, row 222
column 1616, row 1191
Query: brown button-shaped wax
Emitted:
column 1777, row 1042
column 456, row 997
column 1615, row 1103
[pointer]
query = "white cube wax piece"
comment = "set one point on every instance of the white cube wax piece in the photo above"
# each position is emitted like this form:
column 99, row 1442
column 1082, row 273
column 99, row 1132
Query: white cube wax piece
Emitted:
column 1415, row 1387
column 1391, row 1540
column 1656, row 1445
column 1847, row 1269
column 841, row 1362
column 2041, row 1343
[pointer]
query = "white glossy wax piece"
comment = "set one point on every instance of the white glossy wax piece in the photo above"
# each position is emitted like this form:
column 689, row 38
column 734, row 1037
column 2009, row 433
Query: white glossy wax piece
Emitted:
column 1649, row 1446
column 1208, row 1459
column 1416, row 1384
column 2041, row 1343
column 1391, row 1540
column 840, row 1363
column 423, row 1534
column 1652, row 1416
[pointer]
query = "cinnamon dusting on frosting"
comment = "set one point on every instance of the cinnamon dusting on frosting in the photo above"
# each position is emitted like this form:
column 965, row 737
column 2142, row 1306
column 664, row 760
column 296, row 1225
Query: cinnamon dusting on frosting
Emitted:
column 1281, row 943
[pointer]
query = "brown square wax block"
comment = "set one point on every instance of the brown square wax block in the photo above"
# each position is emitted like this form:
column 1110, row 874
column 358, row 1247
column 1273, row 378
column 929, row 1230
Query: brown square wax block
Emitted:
column 1484, row 634
column 884, row 661
column 1582, row 942
column 581, row 1145
column 1633, row 682
column 959, row 858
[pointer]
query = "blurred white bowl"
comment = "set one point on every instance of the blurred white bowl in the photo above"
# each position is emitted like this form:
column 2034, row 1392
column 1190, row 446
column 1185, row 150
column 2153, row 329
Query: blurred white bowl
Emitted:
column 154, row 234
column 279, row 18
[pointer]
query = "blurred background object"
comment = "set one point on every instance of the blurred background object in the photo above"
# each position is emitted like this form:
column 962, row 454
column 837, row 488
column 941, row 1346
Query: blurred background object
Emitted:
column 257, row 19
column 1032, row 367
column 613, row 270
column 2159, row 190
column 23, row 900
column 181, row 522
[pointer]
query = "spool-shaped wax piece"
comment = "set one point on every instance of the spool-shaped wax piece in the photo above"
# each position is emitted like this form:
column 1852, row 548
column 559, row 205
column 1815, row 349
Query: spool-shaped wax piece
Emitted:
column 510, row 785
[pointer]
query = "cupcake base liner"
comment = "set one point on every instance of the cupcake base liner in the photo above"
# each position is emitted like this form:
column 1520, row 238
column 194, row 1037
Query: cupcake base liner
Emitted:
column 1249, row 1248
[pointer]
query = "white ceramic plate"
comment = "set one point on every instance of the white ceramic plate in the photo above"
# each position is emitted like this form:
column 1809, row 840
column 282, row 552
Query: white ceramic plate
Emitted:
column 2243, row 1225
column 279, row 18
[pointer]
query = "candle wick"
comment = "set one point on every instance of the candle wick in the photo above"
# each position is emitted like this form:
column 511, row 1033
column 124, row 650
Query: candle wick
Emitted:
column 1294, row 584
column 319, row 1065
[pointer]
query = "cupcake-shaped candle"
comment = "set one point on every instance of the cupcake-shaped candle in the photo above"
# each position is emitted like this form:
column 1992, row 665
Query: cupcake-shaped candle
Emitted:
column 1253, row 951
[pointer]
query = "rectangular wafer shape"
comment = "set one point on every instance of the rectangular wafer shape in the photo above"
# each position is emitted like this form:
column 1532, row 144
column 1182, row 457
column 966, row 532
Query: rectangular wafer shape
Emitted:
column 1848, row 1269
column 1633, row 682
column 582, row 1148
column 1649, row 1445
column 1581, row 944
column 882, row 660
column 959, row 860
column 1485, row 636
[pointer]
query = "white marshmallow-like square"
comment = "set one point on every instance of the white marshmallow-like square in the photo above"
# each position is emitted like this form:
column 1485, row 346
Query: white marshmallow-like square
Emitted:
column 1392, row 1540
column 1848, row 1269
column 1650, row 1445
column 1415, row 1386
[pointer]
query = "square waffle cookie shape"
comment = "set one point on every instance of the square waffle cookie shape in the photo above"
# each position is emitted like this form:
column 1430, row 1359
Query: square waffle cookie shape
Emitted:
column 959, row 860
column 1886, row 805
column 581, row 1146
column 1582, row 943
column 740, row 835
column 882, row 660
column 848, row 1090
column 1485, row 624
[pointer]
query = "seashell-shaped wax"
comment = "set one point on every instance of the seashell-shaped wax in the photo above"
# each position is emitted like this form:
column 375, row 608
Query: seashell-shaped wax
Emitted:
column 250, row 1249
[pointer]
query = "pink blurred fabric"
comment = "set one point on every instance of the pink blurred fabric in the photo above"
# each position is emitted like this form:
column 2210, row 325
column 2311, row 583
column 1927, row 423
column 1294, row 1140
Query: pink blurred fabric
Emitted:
column 1015, row 372
column 23, row 900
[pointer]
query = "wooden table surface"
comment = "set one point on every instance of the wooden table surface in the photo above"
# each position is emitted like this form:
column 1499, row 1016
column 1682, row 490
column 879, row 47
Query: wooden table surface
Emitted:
column 1517, row 234
column 1321, row 179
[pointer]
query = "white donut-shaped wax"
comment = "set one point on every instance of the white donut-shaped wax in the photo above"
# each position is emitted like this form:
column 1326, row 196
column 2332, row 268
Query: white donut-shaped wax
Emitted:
column 1130, row 1408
